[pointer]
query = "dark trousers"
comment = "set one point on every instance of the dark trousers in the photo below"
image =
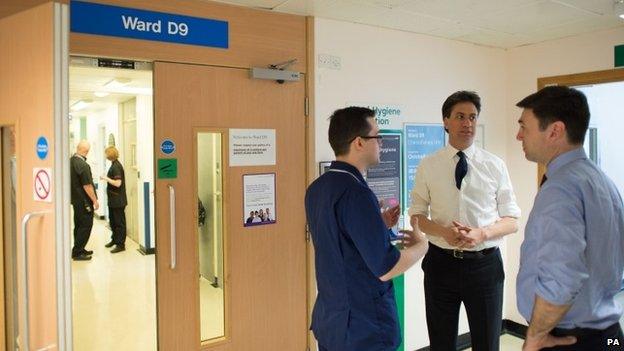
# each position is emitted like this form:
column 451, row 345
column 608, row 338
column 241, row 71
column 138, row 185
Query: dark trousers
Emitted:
column 117, row 219
column 83, row 222
column 478, row 283
column 591, row 339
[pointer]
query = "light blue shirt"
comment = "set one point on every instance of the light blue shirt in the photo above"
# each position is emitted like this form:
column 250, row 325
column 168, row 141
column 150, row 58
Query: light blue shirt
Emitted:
column 573, row 250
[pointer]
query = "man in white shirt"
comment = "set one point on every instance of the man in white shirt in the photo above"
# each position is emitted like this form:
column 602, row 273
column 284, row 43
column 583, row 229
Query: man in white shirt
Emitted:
column 464, row 201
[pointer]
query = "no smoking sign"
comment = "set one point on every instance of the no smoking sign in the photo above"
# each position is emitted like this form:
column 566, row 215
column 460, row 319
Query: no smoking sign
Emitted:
column 42, row 184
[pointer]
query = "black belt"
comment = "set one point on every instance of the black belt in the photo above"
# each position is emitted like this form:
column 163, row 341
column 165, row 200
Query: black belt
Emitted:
column 461, row 254
column 585, row 332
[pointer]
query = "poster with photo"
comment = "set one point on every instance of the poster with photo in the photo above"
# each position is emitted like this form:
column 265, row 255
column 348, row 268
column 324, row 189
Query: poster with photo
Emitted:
column 259, row 199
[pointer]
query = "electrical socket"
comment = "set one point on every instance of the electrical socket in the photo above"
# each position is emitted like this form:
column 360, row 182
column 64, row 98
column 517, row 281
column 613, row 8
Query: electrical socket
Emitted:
column 329, row 61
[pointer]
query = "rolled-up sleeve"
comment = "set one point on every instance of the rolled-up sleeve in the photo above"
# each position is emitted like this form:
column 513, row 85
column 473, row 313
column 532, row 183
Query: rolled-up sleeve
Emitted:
column 420, row 196
column 505, row 197
column 361, row 219
column 562, row 266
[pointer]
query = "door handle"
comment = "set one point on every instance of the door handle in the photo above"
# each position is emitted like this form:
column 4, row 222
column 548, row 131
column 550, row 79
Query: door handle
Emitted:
column 24, row 276
column 172, row 224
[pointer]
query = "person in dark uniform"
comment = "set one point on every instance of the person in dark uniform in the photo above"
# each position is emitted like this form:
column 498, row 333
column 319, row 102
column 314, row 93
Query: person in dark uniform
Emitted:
column 117, row 200
column 355, row 308
column 83, row 199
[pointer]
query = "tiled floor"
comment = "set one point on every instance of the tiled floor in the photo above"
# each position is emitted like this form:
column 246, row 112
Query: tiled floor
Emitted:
column 509, row 343
column 114, row 299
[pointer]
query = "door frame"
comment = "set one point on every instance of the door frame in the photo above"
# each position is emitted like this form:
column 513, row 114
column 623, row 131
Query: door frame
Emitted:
column 587, row 78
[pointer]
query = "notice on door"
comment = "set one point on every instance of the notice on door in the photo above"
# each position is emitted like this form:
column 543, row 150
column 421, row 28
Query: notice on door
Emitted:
column 42, row 184
column 259, row 199
column 252, row 147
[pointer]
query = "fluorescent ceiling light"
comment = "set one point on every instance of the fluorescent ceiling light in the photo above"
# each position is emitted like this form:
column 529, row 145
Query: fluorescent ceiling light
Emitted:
column 618, row 8
column 117, row 83
column 101, row 93
column 80, row 104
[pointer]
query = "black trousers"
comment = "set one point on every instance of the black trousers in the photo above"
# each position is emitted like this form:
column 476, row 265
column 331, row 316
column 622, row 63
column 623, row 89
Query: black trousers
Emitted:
column 591, row 339
column 83, row 222
column 478, row 283
column 117, row 219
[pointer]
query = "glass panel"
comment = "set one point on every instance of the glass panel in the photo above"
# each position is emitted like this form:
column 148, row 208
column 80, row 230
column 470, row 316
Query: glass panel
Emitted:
column 210, row 232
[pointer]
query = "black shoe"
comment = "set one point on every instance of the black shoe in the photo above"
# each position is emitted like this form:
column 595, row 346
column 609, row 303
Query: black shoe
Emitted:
column 110, row 244
column 81, row 257
column 118, row 248
column 87, row 252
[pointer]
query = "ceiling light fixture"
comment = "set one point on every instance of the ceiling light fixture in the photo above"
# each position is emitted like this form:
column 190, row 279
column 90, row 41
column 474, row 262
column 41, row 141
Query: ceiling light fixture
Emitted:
column 117, row 83
column 618, row 8
column 80, row 104
column 101, row 94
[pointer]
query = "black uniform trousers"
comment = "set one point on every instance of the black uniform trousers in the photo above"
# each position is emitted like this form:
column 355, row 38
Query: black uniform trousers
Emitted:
column 609, row 339
column 83, row 222
column 478, row 283
column 117, row 219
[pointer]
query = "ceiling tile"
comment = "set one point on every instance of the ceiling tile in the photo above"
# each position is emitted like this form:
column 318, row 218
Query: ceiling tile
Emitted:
column 461, row 9
column 535, row 16
column 574, row 28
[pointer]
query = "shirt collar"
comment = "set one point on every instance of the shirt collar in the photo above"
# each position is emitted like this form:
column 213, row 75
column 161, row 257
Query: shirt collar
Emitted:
column 78, row 155
column 469, row 152
column 344, row 166
column 564, row 159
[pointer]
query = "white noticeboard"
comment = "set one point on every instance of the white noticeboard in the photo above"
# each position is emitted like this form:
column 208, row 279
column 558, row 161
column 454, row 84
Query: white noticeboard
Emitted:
column 252, row 147
column 42, row 184
column 259, row 199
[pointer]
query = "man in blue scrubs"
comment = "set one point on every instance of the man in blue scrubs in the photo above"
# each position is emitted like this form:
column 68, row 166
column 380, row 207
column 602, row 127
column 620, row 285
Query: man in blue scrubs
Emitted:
column 572, row 256
column 355, row 308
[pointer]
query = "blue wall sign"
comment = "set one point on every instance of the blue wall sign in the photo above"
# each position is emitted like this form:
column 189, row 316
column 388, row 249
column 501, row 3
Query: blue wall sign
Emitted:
column 126, row 22
column 420, row 141
column 167, row 147
column 42, row 147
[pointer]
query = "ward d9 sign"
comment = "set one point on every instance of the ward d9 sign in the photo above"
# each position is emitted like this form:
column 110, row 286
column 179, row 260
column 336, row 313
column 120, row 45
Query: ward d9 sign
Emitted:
column 116, row 21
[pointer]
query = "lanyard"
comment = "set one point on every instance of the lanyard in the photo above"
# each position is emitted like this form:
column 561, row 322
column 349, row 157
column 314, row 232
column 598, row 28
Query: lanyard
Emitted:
column 343, row 171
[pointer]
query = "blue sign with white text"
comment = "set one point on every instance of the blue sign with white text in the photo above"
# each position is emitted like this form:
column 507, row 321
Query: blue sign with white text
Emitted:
column 167, row 147
column 126, row 22
column 420, row 141
column 42, row 147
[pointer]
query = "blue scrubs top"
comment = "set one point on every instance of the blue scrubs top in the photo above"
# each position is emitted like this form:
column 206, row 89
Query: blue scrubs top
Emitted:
column 354, row 310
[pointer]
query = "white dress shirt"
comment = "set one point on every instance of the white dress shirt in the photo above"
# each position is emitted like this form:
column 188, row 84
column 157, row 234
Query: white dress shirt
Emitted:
column 486, row 193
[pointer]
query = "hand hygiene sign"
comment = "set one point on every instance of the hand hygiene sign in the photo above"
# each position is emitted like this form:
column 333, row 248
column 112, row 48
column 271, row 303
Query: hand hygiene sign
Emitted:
column 91, row 18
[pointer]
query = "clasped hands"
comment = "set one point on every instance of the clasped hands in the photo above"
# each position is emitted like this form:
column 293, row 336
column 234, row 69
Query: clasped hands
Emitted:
column 463, row 236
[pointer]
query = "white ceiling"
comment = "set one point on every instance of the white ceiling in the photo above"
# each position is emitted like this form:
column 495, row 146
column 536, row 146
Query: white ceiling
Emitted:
column 85, row 81
column 496, row 23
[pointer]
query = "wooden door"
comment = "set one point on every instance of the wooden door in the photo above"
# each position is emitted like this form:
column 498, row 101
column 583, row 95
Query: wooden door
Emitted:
column 31, row 96
column 264, row 265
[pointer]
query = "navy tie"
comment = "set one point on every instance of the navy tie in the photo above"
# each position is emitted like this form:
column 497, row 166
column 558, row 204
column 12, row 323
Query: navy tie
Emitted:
column 460, row 169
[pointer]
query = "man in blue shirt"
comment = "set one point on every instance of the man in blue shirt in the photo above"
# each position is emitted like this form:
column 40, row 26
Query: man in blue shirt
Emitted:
column 572, row 256
column 355, row 308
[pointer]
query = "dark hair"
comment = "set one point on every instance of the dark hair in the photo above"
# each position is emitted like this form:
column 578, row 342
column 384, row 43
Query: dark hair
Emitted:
column 347, row 124
column 560, row 103
column 458, row 97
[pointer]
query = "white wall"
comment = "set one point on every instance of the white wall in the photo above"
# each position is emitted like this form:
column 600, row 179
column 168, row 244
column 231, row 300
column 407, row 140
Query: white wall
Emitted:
column 145, row 163
column 417, row 73
column 585, row 53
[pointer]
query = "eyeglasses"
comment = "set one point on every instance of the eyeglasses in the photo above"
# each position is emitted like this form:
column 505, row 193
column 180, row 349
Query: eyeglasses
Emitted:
column 471, row 118
column 378, row 137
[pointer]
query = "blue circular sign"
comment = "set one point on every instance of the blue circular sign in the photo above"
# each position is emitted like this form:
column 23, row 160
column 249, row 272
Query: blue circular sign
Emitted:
column 167, row 147
column 42, row 147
